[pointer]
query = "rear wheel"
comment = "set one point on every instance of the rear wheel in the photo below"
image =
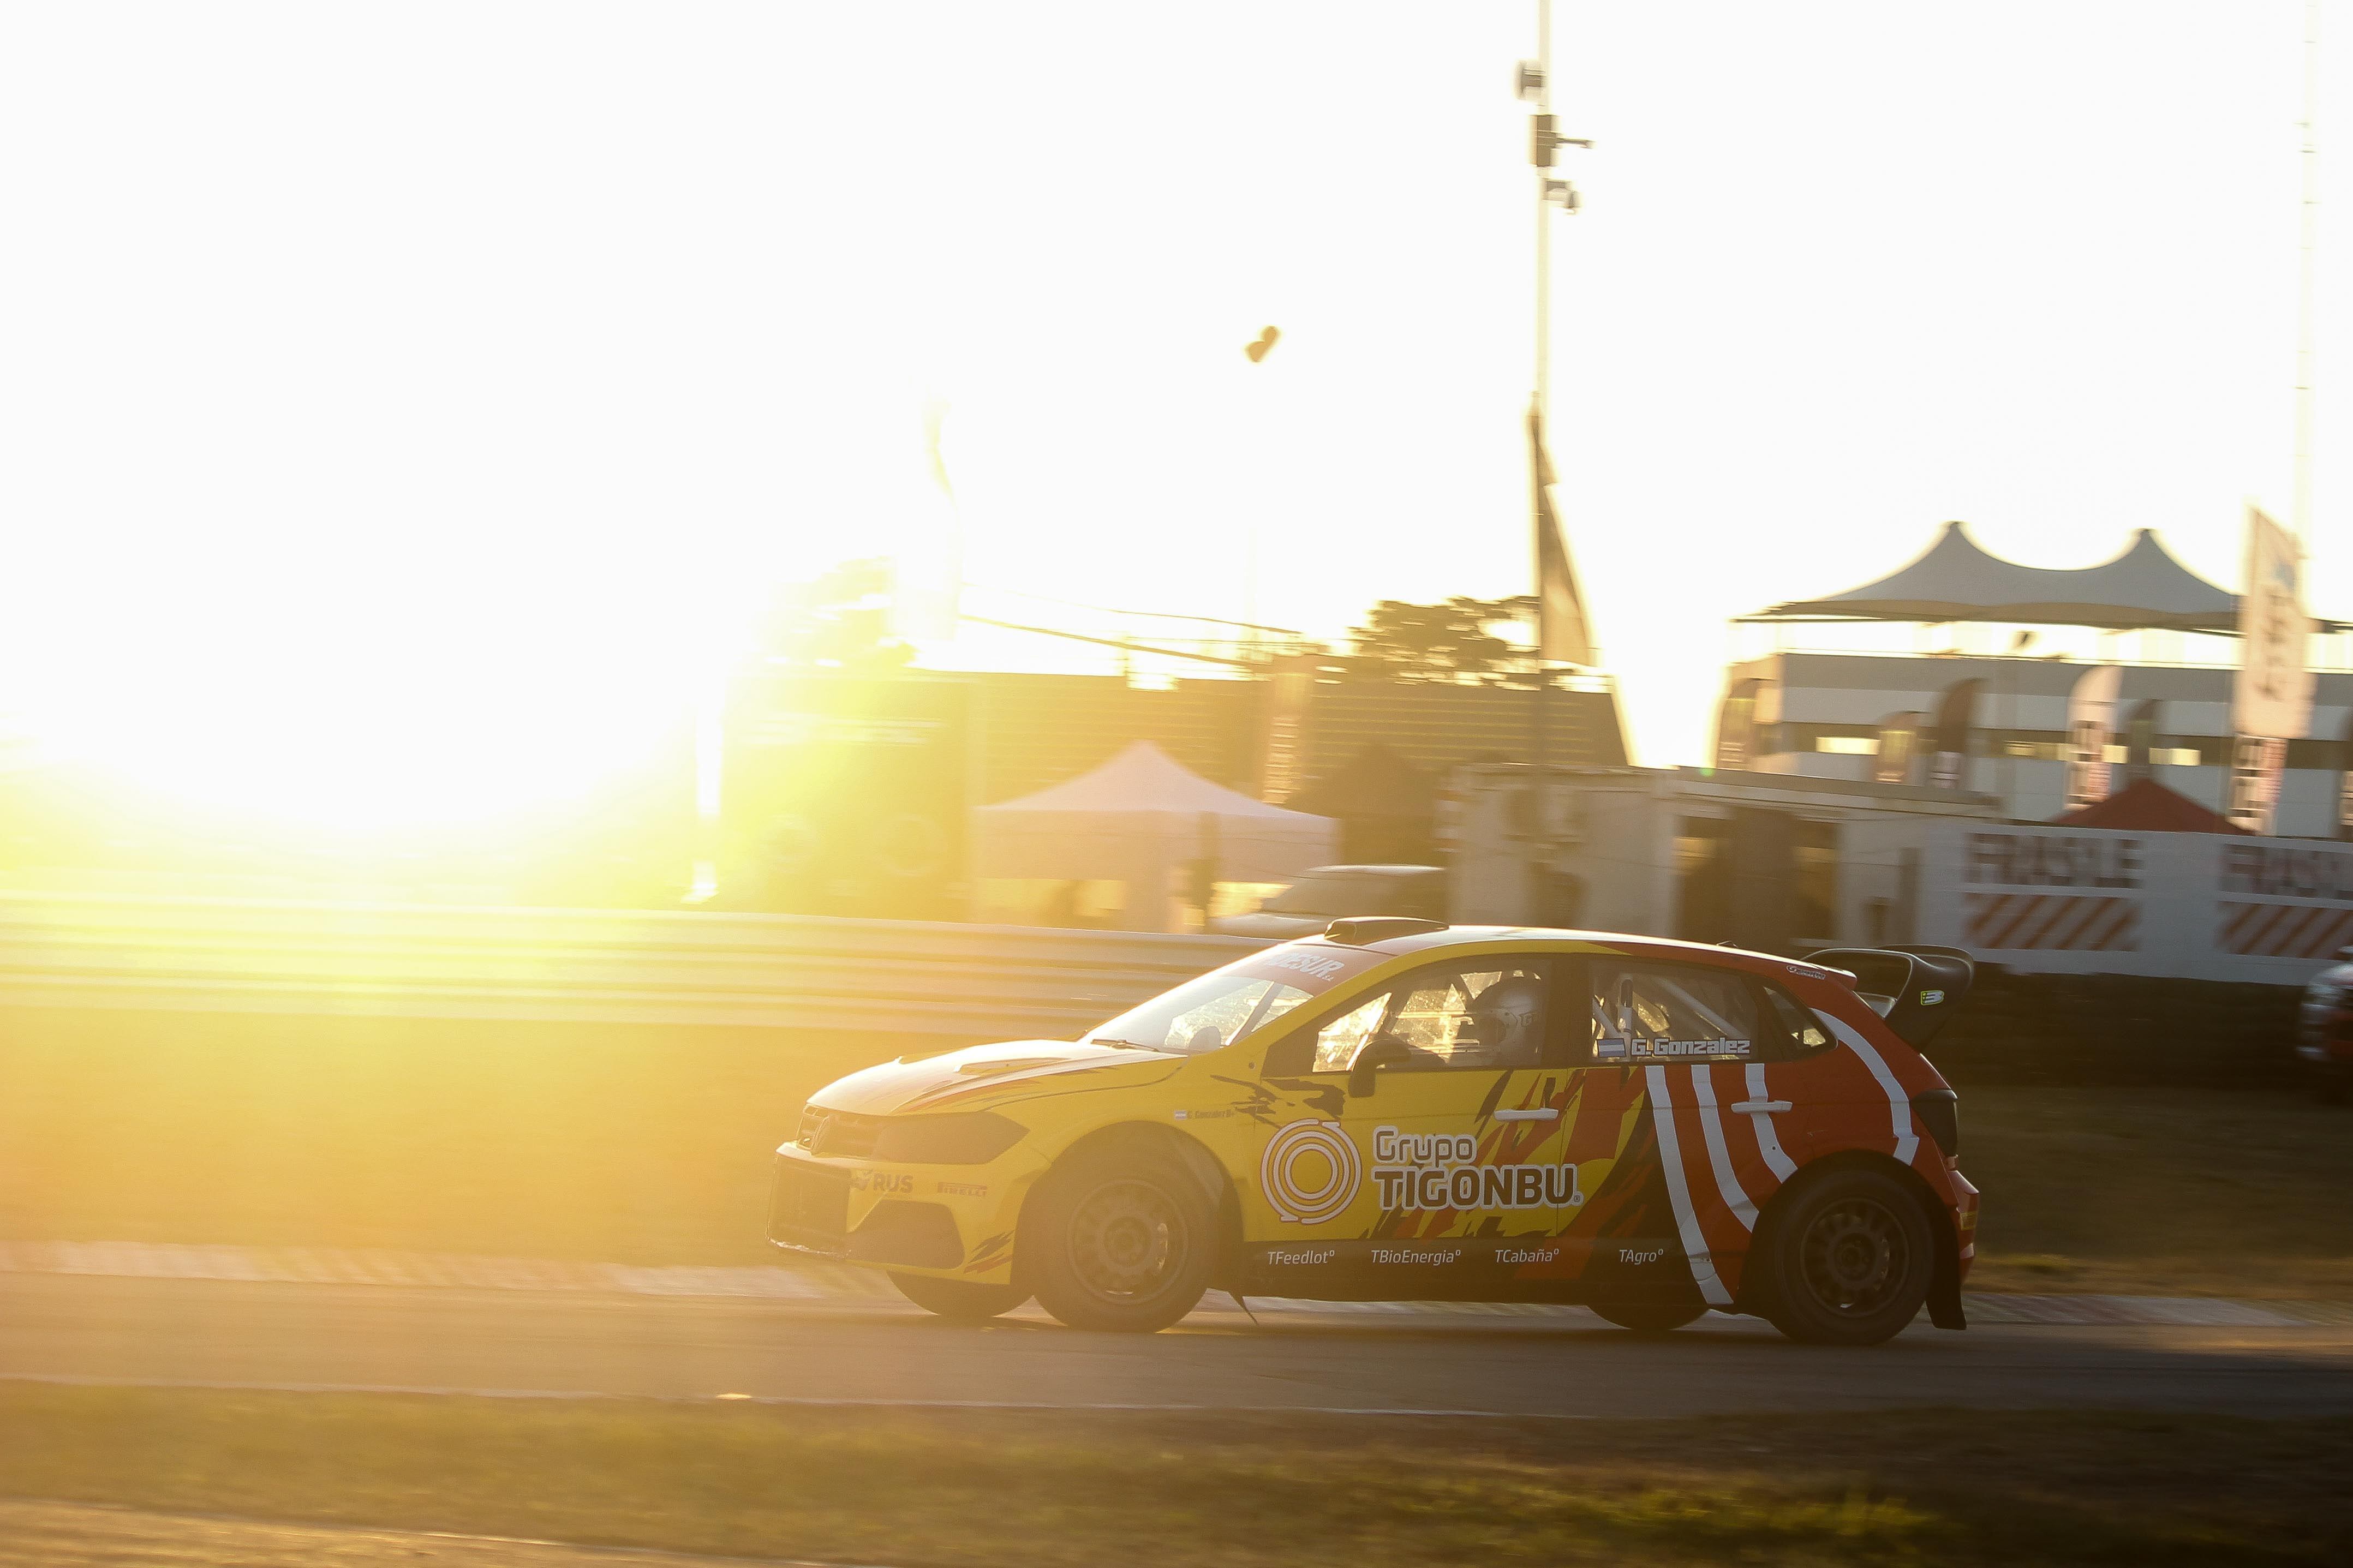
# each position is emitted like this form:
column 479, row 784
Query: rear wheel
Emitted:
column 1117, row 1240
column 1649, row 1317
column 962, row 1300
column 1850, row 1261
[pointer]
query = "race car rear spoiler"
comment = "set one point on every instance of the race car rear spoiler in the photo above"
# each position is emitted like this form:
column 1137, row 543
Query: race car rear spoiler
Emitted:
column 1915, row 989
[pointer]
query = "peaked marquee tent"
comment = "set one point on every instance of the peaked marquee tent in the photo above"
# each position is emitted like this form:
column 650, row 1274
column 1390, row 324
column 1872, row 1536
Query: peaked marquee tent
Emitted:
column 1956, row 579
column 1137, row 819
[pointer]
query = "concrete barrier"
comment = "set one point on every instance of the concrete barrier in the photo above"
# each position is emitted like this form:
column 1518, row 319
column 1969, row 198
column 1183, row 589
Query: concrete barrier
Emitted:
column 584, row 965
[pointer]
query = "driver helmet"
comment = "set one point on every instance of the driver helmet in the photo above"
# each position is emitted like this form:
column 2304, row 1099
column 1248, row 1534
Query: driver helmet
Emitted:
column 1506, row 1023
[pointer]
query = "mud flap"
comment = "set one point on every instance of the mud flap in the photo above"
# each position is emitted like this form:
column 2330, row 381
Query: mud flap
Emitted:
column 1945, row 1289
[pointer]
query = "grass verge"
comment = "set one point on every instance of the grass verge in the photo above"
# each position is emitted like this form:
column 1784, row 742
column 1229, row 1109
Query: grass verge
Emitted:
column 2161, row 1192
column 955, row 1488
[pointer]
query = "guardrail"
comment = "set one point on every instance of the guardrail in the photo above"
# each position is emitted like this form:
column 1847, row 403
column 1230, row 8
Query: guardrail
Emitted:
column 623, row 966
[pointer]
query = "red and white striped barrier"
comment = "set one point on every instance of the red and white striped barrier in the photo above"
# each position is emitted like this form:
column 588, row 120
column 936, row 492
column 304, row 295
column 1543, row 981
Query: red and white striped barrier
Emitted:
column 2194, row 906
column 2286, row 930
column 2058, row 922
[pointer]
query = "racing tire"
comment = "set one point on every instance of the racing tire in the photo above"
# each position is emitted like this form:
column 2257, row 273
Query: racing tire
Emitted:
column 964, row 1301
column 1118, row 1241
column 1651, row 1318
column 1850, row 1261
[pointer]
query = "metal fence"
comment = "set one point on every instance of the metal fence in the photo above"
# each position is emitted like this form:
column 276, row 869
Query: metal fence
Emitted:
column 620, row 966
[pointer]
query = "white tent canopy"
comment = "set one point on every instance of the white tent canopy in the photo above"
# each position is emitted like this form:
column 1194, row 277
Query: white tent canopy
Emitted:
column 1137, row 819
column 1956, row 579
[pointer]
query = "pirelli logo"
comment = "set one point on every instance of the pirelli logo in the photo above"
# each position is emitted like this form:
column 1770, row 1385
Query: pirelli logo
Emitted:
column 2283, row 931
column 2053, row 922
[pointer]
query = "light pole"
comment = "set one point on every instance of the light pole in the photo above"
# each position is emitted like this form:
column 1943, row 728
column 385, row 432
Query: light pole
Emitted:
column 1544, row 140
column 2300, row 513
column 1256, row 351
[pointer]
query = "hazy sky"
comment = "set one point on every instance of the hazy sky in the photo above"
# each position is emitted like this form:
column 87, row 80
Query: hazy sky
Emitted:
column 386, row 386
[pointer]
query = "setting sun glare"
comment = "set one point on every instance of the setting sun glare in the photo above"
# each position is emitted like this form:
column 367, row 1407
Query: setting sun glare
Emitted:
column 406, row 413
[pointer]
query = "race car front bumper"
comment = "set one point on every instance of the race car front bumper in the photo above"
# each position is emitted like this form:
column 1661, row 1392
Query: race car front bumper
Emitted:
column 945, row 1219
column 809, row 1211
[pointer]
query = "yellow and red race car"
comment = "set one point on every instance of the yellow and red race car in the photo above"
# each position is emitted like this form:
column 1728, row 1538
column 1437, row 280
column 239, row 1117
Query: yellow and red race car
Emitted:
column 1402, row 1110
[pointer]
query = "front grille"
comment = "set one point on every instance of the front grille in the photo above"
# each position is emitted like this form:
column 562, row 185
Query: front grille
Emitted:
column 810, row 1205
column 838, row 1133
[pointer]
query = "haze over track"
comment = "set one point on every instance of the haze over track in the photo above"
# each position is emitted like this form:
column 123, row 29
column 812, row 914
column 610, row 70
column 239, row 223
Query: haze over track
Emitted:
column 159, row 1331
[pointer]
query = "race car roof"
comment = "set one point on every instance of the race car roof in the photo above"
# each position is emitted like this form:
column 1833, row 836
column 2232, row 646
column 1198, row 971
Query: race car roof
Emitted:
column 1459, row 936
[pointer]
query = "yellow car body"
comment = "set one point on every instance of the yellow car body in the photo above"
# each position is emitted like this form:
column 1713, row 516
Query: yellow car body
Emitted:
column 1403, row 1111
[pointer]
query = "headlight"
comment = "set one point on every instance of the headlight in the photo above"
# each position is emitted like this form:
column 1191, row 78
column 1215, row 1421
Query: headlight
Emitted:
column 972, row 1138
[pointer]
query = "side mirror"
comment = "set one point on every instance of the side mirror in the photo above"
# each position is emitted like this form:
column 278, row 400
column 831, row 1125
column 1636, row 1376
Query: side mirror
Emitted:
column 1381, row 1051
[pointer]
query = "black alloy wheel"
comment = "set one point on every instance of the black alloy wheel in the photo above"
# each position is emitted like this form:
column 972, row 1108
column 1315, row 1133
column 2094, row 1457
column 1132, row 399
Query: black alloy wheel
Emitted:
column 1850, row 1260
column 965, row 1300
column 1117, row 1240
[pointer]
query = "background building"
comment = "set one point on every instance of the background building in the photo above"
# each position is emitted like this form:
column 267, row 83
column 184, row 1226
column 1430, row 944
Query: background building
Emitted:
column 1958, row 670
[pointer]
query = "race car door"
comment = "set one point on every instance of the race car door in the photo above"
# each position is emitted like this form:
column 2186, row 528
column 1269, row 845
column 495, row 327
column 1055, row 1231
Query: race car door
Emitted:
column 1700, row 1038
column 1421, row 1154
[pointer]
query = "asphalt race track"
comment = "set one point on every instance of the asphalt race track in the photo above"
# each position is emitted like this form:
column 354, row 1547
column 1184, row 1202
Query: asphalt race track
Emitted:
column 242, row 1333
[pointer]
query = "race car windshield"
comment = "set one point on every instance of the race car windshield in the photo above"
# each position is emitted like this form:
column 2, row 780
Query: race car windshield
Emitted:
column 1201, row 1015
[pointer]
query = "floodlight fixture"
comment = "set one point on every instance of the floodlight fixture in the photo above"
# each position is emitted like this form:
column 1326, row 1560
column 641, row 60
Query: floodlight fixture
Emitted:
column 1544, row 138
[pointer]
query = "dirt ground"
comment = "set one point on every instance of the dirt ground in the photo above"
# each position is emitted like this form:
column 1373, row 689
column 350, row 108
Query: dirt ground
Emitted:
column 976, row 1489
column 83, row 1535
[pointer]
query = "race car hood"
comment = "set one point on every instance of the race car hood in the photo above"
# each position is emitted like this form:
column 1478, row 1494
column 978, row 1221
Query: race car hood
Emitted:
column 978, row 1074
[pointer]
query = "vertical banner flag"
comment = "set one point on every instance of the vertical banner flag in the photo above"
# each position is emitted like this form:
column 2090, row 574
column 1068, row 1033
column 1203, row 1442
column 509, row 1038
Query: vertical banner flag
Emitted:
column 2344, row 780
column 1736, row 726
column 2091, row 720
column 1950, row 742
column 1564, row 634
column 2270, row 703
column 2142, row 727
column 1899, row 745
column 2256, row 763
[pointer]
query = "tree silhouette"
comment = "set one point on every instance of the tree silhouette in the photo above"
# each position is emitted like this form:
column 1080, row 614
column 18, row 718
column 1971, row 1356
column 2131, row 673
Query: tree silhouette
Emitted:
column 1455, row 641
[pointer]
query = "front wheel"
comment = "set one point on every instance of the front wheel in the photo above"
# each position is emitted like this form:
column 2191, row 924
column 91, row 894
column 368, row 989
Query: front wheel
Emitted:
column 965, row 1300
column 1649, row 1317
column 1850, row 1260
column 1118, row 1241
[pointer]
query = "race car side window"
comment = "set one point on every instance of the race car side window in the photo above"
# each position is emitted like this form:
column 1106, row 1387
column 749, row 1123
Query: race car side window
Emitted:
column 1803, row 1033
column 1476, row 1014
column 1337, row 1042
column 1643, row 1013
